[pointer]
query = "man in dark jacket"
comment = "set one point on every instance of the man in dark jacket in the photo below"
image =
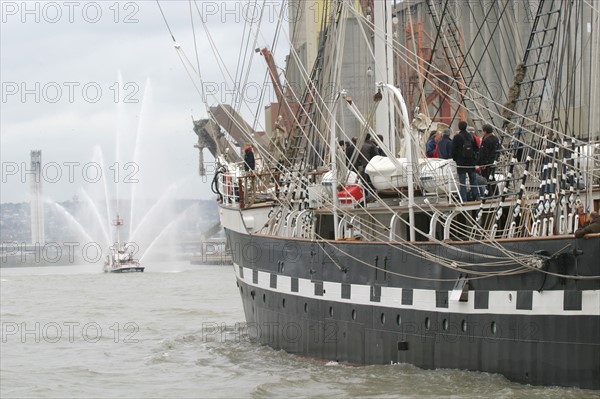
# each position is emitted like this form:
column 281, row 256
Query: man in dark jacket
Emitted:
column 489, row 151
column 350, row 148
column 593, row 226
column 464, row 148
column 367, row 151
column 445, row 145
column 249, row 163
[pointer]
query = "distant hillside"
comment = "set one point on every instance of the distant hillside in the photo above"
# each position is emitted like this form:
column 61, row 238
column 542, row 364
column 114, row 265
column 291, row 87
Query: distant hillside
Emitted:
column 15, row 223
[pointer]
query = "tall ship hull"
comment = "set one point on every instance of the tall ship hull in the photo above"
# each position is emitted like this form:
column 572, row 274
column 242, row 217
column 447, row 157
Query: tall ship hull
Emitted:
column 376, row 303
column 425, row 189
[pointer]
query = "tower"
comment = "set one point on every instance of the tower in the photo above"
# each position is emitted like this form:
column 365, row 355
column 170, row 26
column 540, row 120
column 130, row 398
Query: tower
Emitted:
column 36, row 202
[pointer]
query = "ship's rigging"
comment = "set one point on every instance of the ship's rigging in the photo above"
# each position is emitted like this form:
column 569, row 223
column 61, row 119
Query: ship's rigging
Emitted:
column 531, row 143
column 383, row 232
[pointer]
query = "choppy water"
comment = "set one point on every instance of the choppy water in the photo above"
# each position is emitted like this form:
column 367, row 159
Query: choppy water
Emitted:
column 174, row 332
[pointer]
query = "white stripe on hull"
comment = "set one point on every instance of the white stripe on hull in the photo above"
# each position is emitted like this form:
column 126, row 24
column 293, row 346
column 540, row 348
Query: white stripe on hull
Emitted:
column 548, row 302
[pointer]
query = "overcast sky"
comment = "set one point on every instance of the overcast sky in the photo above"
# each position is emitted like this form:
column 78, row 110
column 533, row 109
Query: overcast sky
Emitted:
column 78, row 77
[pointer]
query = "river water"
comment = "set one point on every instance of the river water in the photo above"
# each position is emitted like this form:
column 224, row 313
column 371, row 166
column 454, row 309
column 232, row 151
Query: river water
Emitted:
column 177, row 331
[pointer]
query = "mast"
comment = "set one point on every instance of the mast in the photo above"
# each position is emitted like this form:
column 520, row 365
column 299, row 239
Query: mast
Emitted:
column 594, row 121
column 118, row 223
column 333, row 158
column 384, row 71
column 409, row 152
column 333, row 123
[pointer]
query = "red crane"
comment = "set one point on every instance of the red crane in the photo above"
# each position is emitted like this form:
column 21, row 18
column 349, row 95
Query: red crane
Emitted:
column 286, row 110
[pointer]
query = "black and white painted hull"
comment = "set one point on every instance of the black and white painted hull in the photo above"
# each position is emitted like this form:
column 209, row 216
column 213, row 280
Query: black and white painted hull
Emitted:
column 372, row 252
column 533, row 328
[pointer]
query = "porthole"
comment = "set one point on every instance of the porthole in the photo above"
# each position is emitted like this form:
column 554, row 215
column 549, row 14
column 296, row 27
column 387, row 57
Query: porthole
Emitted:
column 264, row 297
column 427, row 323
column 463, row 325
column 305, row 307
column 382, row 318
column 509, row 297
column 494, row 328
column 283, row 303
column 353, row 314
column 331, row 311
column 398, row 320
column 445, row 324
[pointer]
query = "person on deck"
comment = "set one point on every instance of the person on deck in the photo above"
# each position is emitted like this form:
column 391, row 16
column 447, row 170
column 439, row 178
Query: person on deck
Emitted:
column 367, row 151
column 593, row 226
column 464, row 150
column 480, row 182
column 445, row 145
column 431, row 146
column 380, row 151
column 249, row 163
column 350, row 148
column 475, row 136
column 488, row 152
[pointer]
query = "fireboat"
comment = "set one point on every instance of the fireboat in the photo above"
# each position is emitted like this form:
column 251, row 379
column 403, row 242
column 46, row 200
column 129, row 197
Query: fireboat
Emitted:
column 120, row 258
